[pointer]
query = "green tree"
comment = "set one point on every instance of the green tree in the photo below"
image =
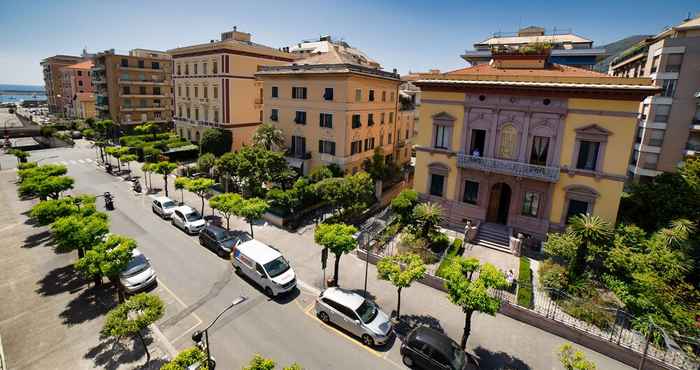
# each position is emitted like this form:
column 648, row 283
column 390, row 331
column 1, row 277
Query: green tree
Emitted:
column 261, row 363
column 201, row 187
column 251, row 210
column 147, row 168
column 181, row 184
column 268, row 136
column 228, row 204
column 376, row 166
column 108, row 259
column 215, row 141
column 187, row 358
column 403, row 205
column 41, row 171
column 164, row 168
column 573, row 359
column 147, row 128
column 473, row 295
column 206, row 162
column 133, row 317
column 427, row 218
column 46, row 187
column 21, row 155
column 347, row 195
column 151, row 154
column 320, row 173
column 227, row 166
column 593, row 232
column 79, row 232
column 49, row 211
column 339, row 239
column 105, row 127
column 401, row 271
column 128, row 158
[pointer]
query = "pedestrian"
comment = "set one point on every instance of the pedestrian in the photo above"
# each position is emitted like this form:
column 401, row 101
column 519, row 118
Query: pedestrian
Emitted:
column 476, row 153
column 510, row 279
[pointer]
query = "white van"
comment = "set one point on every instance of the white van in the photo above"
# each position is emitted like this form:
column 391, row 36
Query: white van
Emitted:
column 265, row 266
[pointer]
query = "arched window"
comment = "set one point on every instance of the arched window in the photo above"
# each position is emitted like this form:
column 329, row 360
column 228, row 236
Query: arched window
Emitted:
column 196, row 136
column 508, row 143
column 189, row 135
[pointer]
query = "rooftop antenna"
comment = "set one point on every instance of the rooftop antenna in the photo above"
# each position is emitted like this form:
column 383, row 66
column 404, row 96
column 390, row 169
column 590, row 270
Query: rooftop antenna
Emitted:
column 234, row 28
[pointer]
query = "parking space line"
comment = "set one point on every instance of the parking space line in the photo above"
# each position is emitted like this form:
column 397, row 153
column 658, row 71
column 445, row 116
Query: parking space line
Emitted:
column 160, row 283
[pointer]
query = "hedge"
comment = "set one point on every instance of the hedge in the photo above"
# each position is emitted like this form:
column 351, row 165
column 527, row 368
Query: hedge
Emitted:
column 525, row 283
column 454, row 251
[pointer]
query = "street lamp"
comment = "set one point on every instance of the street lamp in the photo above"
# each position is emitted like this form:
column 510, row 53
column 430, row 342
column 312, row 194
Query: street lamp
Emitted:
column 197, row 335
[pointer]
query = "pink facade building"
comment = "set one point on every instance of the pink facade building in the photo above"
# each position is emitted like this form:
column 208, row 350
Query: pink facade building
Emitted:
column 76, row 82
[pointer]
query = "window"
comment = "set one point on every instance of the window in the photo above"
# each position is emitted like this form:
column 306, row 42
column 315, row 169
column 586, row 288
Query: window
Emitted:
column 216, row 115
column 141, row 64
column 540, row 146
column 298, row 145
column 142, row 90
column 654, row 64
column 388, row 140
column 381, row 139
column 656, row 137
column 328, row 93
column 478, row 143
column 370, row 119
column 356, row 121
column 204, row 68
column 381, row 118
column 215, row 67
column 507, row 148
column 391, row 96
column 471, row 192
column 326, row 120
column 196, row 115
column 661, row 112
column 442, row 136
column 366, row 144
column 300, row 117
column 383, row 96
column 326, row 147
column 673, row 63
column 358, row 95
column 216, row 92
column 640, row 133
column 156, row 90
column 298, row 93
column 275, row 92
column 371, row 143
column 205, row 91
column 195, row 68
column 179, row 71
column 125, row 62
column 355, row 147
column 188, row 113
column 437, row 183
column 187, row 69
column 155, row 65
column 576, row 207
column 669, row 88
column 371, row 95
column 391, row 117
column 274, row 115
column 588, row 155
column 187, row 91
column 179, row 114
column 260, row 115
column 196, row 91
column 531, row 203
column 80, row 73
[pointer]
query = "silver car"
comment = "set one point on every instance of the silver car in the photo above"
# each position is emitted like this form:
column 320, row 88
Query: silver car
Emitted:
column 138, row 274
column 188, row 219
column 355, row 314
column 163, row 207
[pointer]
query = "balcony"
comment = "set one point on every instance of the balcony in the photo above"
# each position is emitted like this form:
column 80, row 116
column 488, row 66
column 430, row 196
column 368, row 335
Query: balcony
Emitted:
column 513, row 168
column 99, row 81
column 695, row 125
column 144, row 82
column 692, row 149
column 303, row 155
column 102, row 107
column 143, row 109
column 130, row 95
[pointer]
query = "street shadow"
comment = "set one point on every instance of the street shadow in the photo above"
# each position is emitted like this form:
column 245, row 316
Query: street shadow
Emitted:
column 154, row 364
column 498, row 360
column 280, row 299
column 60, row 280
column 90, row 304
column 29, row 220
column 111, row 353
column 35, row 240
column 409, row 322
column 153, row 191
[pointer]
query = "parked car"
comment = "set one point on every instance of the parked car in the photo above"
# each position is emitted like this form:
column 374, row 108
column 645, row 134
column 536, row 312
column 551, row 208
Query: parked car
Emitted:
column 264, row 265
column 220, row 240
column 427, row 348
column 163, row 207
column 187, row 219
column 138, row 274
column 355, row 314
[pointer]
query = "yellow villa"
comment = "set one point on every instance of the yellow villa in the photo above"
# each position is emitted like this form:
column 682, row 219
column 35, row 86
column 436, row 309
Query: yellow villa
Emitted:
column 519, row 145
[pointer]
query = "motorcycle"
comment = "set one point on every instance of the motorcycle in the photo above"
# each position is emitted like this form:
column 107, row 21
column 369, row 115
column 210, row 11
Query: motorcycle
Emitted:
column 136, row 185
column 109, row 201
column 108, row 168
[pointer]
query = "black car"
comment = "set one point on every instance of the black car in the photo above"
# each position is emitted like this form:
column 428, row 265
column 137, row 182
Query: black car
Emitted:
column 426, row 348
column 221, row 241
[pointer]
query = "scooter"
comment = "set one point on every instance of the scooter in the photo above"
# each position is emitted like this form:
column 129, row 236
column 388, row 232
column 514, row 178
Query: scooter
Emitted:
column 136, row 185
column 109, row 201
column 108, row 168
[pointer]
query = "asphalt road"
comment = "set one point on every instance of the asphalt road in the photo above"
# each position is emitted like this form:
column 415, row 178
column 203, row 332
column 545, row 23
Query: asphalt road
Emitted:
column 203, row 284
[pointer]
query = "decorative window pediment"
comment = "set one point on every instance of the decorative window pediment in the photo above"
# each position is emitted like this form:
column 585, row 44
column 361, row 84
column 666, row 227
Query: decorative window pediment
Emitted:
column 582, row 192
column 593, row 132
column 444, row 118
column 438, row 168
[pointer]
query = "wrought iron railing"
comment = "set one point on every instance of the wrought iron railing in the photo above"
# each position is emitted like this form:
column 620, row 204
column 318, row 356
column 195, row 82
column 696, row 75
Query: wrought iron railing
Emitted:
column 513, row 168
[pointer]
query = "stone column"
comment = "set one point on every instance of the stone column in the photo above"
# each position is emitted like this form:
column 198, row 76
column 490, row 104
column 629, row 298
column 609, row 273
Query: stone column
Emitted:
column 522, row 157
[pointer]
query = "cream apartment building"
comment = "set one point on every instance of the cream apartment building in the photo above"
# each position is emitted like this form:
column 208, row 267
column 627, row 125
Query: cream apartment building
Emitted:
column 215, row 86
column 333, row 107
column 669, row 128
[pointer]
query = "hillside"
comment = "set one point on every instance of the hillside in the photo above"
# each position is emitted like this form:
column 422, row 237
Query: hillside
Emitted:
column 615, row 48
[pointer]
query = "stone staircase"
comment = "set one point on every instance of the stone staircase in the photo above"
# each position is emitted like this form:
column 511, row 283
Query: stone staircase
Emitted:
column 494, row 236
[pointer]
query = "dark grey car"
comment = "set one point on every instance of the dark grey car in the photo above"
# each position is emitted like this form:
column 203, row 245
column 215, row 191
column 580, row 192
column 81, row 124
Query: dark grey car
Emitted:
column 221, row 241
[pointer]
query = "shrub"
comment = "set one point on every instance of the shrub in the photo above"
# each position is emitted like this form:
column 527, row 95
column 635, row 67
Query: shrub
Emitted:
column 525, row 283
column 455, row 250
column 553, row 275
column 588, row 311
column 439, row 242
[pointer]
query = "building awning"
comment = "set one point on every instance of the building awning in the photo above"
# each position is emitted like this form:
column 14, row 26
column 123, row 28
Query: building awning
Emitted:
column 295, row 162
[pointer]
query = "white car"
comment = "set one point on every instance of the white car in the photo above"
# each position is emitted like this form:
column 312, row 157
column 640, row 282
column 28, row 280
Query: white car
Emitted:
column 188, row 219
column 355, row 314
column 138, row 274
column 264, row 265
column 163, row 207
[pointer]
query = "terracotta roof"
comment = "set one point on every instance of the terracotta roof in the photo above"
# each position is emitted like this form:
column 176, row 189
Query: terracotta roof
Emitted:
column 334, row 56
column 555, row 70
column 82, row 65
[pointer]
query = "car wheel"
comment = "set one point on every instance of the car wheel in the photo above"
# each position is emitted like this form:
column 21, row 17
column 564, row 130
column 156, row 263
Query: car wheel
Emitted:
column 408, row 361
column 268, row 292
column 323, row 317
column 221, row 253
column 367, row 340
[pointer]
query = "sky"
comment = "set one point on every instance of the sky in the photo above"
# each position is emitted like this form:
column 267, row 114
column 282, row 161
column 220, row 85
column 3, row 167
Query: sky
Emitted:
column 408, row 35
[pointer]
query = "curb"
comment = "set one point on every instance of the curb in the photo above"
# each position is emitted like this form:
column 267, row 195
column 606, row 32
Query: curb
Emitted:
column 163, row 341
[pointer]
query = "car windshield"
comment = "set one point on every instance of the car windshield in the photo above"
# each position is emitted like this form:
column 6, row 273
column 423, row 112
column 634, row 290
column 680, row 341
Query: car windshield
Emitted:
column 169, row 204
column 136, row 265
column 367, row 311
column 459, row 358
column 194, row 216
column 277, row 267
column 244, row 237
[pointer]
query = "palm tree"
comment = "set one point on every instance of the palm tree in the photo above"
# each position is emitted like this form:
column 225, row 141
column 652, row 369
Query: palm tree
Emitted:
column 591, row 231
column 427, row 217
column 268, row 135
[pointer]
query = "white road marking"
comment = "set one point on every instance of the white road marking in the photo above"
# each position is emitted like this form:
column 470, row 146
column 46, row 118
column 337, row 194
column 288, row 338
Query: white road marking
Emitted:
column 73, row 162
column 308, row 287
column 81, row 161
column 88, row 160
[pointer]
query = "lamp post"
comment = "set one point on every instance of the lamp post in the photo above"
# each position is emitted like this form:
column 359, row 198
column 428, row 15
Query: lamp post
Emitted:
column 197, row 335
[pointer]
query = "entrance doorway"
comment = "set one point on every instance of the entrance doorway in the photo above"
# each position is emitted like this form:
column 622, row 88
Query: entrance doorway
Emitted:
column 499, row 203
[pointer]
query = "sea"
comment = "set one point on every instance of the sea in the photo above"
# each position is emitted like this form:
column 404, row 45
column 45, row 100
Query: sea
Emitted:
column 18, row 93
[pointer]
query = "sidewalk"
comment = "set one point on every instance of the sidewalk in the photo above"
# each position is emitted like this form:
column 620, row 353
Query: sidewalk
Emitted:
column 500, row 342
column 50, row 318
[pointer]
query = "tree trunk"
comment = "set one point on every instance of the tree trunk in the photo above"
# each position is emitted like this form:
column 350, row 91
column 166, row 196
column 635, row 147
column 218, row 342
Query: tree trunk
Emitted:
column 98, row 281
column 128, row 167
column 202, row 196
column 251, row 229
column 336, row 268
column 228, row 228
column 398, row 305
column 467, row 328
column 165, row 180
column 81, row 253
column 145, row 347
column 182, row 196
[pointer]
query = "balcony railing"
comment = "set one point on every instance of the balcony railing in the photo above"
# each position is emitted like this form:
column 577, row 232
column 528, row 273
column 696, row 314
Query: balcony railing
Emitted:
column 513, row 168
column 304, row 155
